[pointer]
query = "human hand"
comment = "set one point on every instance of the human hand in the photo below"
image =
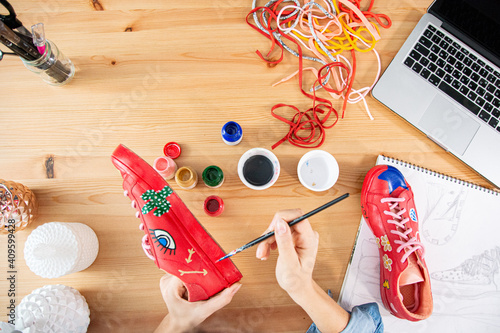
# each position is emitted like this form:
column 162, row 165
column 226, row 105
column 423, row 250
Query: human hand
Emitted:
column 297, row 247
column 183, row 316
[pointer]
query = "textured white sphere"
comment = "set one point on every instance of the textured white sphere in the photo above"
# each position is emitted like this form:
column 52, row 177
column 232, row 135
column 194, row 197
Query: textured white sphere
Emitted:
column 53, row 309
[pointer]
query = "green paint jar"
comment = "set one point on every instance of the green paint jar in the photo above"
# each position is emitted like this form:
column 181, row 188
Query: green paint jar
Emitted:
column 213, row 176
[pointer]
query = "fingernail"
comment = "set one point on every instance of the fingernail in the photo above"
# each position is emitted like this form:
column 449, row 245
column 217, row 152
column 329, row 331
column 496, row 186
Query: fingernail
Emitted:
column 236, row 289
column 280, row 227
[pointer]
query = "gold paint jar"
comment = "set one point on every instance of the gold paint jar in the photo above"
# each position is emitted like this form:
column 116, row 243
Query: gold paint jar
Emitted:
column 186, row 177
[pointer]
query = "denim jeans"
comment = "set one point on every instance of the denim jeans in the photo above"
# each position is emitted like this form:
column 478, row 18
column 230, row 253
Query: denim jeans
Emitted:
column 364, row 319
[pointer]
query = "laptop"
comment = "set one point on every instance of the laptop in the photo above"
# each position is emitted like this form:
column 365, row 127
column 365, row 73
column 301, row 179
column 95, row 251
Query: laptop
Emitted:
column 445, row 81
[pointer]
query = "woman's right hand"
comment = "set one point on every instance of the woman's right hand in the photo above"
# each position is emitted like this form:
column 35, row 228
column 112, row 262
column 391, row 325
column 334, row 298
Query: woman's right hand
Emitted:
column 297, row 247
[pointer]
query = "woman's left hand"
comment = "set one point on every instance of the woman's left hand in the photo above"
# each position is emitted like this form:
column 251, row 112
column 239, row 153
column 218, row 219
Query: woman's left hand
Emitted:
column 183, row 315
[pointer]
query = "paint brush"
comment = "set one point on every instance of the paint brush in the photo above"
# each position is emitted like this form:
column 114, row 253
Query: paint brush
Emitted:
column 297, row 220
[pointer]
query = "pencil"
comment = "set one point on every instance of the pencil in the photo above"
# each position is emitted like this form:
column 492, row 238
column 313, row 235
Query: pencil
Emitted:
column 297, row 220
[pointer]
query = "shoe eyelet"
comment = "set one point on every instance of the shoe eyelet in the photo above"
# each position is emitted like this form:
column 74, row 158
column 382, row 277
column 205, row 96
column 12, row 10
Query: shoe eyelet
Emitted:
column 137, row 214
column 133, row 204
column 125, row 193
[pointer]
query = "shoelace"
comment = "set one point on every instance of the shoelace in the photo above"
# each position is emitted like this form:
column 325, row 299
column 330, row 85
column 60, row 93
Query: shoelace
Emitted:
column 146, row 246
column 325, row 30
column 410, row 245
column 320, row 105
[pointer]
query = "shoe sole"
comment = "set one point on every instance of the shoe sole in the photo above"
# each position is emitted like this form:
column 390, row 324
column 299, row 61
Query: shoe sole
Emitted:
column 375, row 172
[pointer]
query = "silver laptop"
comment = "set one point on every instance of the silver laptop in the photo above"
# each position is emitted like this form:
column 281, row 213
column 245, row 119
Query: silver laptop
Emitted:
column 445, row 81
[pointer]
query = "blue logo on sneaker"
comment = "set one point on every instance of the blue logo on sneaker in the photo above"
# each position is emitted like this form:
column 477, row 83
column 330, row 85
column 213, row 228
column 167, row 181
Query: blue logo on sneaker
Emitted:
column 413, row 215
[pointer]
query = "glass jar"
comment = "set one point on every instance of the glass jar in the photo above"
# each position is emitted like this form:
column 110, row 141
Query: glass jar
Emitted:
column 213, row 176
column 186, row 177
column 53, row 66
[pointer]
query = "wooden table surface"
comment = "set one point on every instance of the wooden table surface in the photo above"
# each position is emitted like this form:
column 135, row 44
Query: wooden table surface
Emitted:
column 150, row 72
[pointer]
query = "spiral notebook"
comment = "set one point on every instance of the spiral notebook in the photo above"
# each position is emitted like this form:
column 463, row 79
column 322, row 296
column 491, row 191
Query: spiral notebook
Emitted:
column 460, row 228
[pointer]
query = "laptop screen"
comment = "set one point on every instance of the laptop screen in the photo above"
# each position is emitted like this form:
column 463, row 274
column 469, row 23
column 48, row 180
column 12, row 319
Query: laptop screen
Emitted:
column 478, row 19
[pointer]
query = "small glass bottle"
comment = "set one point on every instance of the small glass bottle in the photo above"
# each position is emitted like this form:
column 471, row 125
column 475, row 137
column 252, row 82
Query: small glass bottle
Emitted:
column 186, row 177
column 213, row 205
column 231, row 133
column 213, row 176
column 165, row 166
column 53, row 66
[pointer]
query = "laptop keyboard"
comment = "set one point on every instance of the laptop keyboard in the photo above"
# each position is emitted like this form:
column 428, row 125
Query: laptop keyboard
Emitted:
column 455, row 70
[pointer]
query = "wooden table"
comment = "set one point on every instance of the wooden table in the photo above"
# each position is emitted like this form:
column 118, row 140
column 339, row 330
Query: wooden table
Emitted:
column 159, row 71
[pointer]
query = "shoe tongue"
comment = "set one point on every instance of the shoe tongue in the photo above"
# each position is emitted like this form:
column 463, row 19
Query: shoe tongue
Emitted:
column 397, row 192
column 412, row 273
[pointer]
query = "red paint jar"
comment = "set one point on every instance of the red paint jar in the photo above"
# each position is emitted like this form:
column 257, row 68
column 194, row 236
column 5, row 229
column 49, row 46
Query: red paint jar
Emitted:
column 213, row 205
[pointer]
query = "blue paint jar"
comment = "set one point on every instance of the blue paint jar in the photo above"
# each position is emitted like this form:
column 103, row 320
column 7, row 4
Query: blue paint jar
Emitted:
column 231, row 133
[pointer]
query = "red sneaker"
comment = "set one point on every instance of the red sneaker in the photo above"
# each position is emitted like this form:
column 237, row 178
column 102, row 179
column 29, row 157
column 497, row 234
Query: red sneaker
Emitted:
column 173, row 238
column 389, row 209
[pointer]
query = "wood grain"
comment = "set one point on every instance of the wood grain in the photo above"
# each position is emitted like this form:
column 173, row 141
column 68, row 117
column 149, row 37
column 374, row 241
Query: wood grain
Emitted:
column 158, row 71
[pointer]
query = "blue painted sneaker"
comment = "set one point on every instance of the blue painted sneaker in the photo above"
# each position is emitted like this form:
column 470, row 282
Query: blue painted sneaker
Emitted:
column 389, row 210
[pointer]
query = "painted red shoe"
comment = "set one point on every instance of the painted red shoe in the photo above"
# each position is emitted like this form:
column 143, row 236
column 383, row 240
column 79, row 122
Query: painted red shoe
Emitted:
column 173, row 238
column 389, row 209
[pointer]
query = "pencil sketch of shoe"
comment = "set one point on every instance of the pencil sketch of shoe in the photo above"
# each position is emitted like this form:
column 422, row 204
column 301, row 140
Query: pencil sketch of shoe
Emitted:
column 368, row 280
column 481, row 269
column 369, row 263
column 367, row 276
column 441, row 219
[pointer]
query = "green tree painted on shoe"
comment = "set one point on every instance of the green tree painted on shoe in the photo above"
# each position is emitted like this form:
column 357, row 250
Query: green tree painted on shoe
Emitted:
column 157, row 200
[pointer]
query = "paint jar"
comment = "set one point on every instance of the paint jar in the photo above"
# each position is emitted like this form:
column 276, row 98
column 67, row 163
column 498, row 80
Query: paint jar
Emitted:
column 165, row 166
column 232, row 133
column 53, row 66
column 213, row 205
column 213, row 176
column 172, row 150
column 186, row 177
column 318, row 170
column 258, row 168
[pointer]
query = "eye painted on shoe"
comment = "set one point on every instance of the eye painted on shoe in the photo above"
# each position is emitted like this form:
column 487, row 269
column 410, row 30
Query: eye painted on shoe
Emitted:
column 163, row 240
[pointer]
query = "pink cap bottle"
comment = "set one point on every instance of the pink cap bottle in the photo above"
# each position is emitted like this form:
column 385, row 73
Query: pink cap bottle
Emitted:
column 165, row 166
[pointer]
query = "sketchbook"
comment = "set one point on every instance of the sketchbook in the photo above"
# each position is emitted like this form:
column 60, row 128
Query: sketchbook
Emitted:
column 460, row 228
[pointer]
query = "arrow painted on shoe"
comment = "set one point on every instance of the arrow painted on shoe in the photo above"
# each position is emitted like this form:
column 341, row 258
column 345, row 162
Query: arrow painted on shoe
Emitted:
column 204, row 272
column 191, row 252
